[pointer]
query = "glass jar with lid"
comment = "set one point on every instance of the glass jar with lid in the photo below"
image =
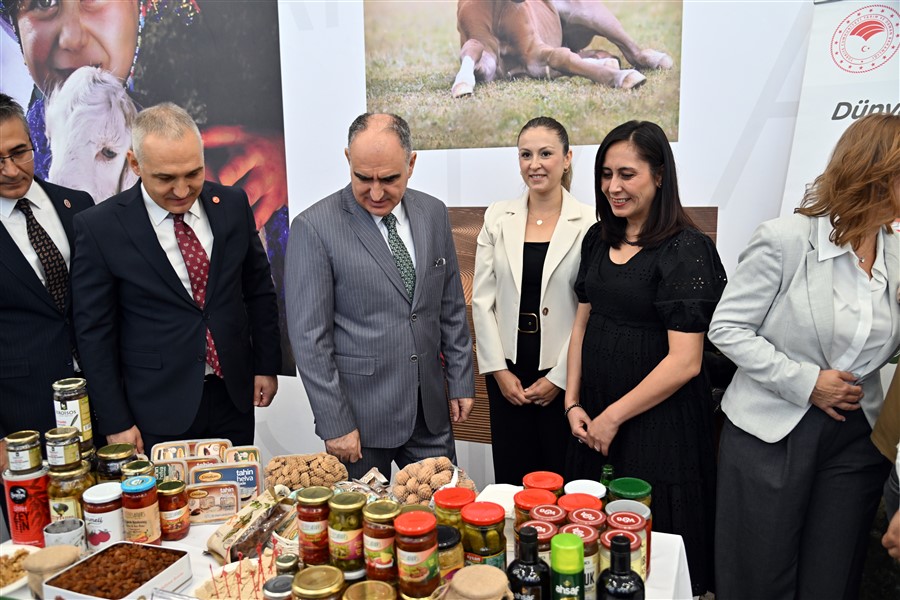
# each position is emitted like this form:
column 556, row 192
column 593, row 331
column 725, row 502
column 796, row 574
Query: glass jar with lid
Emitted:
column 545, row 533
column 528, row 499
column 312, row 517
column 23, row 452
column 111, row 458
column 590, row 517
column 279, row 587
column 63, row 448
column 378, row 540
column 287, row 564
column 572, row 502
column 549, row 513
column 418, row 562
column 450, row 552
column 448, row 502
column 345, row 534
column 73, row 409
column 630, row 488
column 484, row 540
column 370, row 590
column 636, row 524
column 137, row 467
column 637, row 559
column 174, row 516
column 103, row 518
column 140, row 507
column 544, row 480
column 321, row 582
column 66, row 489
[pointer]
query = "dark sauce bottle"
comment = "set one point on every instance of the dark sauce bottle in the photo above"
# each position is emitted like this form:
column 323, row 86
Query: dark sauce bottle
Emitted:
column 529, row 576
column 619, row 581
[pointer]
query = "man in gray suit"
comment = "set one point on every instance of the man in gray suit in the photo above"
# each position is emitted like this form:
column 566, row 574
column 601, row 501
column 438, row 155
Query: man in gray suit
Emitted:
column 376, row 312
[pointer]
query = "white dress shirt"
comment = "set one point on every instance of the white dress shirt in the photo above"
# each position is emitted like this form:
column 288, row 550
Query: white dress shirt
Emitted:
column 404, row 230
column 45, row 214
column 862, row 313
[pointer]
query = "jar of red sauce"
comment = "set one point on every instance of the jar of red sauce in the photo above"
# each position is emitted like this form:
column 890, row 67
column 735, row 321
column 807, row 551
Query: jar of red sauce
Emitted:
column 312, row 517
column 103, row 519
column 544, row 480
column 417, row 554
column 378, row 540
column 528, row 499
column 140, row 508
column 175, row 518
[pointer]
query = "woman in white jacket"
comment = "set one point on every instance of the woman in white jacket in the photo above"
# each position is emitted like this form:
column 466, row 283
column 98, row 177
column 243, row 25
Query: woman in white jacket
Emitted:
column 524, row 303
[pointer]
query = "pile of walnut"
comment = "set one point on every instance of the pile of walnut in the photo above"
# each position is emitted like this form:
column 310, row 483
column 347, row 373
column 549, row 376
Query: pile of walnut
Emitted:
column 303, row 470
column 417, row 482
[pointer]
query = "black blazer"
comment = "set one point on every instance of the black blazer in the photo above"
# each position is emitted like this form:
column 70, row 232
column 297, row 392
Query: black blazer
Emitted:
column 141, row 336
column 36, row 338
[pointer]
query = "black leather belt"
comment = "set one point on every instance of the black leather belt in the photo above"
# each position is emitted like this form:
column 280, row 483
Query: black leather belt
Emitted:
column 529, row 323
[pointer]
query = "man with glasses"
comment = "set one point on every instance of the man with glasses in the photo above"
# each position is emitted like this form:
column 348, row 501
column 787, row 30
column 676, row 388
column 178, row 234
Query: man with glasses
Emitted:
column 37, row 341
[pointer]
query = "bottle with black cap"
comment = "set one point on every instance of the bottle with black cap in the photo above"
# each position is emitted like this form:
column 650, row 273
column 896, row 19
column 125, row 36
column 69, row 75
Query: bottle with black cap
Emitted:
column 529, row 576
column 619, row 581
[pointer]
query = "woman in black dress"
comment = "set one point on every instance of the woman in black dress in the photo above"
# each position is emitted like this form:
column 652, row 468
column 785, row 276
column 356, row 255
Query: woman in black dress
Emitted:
column 637, row 396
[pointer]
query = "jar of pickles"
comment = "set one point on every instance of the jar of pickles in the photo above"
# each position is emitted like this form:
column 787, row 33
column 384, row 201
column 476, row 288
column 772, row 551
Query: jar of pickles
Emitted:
column 447, row 504
column 72, row 409
column 63, row 448
column 137, row 467
column 140, row 508
column 450, row 552
column 483, row 538
column 110, row 460
column 528, row 499
column 321, row 582
column 418, row 561
column 545, row 533
column 174, row 516
column 549, row 513
column 544, row 480
column 630, row 488
column 312, row 517
column 345, row 534
column 66, row 489
column 378, row 540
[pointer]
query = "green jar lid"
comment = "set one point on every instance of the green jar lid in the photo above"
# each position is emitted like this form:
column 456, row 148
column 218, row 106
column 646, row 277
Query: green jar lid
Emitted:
column 567, row 553
column 630, row 488
column 347, row 501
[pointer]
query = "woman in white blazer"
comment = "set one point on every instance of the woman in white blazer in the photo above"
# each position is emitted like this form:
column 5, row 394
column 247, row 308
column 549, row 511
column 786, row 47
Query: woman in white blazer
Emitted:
column 523, row 304
column 809, row 317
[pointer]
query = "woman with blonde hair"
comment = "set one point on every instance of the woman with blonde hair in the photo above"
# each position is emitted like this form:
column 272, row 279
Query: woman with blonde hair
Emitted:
column 809, row 317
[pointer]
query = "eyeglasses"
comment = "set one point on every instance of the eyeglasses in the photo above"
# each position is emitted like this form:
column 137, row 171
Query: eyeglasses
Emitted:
column 19, row 157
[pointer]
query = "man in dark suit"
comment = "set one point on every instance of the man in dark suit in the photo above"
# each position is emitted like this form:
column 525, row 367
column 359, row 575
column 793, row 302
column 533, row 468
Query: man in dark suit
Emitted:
column 175, row 310
column 376, row 313
column 36, row 335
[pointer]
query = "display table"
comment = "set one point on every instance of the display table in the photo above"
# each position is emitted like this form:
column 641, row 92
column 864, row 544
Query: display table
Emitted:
column 669, row 578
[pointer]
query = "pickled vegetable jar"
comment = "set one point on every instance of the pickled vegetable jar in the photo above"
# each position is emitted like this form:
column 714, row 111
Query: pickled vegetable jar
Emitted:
column 417, row 554
column 528, row 499
column 447, row 504
column 630, row 488
column 312, row 517
column 544, row 480
column 345, row 534
column 483, row 537
column 65, row 491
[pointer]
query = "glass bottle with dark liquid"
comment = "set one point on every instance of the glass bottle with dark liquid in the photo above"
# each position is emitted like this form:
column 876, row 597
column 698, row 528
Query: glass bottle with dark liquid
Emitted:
column 619, row 581
column 529, row 576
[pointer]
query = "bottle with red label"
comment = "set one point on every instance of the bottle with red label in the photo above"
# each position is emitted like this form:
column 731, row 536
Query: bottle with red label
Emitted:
column 417, row 554
column 312, row 521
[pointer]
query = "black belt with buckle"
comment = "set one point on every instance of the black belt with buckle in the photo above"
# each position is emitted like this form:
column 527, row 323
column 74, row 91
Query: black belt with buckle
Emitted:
column 529, row 323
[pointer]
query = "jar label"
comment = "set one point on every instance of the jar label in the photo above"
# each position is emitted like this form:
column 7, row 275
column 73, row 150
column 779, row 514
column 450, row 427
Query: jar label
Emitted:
column 175, row 521
column 345, row 545
column 313, row 534
column 418, row 566
column 29, row 511
column 24, row 460
column 75, row 413
column 65, row 507
column 590, row 575
column 529, row 592
column 495, row 560
column 103, row 528
column 379, row 552
column 142, row 524
column 61, row 455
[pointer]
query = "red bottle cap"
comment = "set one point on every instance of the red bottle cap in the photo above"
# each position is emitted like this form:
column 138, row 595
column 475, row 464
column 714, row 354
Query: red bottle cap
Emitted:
column 585, row 532
column 627, row 521
column 572, row 502
column 548, row 512
column 607, row 536
column 415, row 522
column 483, row 513
column 528, row 499
column 588, row 516
column 453, row 497
column 543, row 480
column 545, row 530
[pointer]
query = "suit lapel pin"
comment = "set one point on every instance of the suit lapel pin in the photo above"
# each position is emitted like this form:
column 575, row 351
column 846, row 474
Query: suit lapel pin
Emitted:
column 67, row 203
column 216, row 200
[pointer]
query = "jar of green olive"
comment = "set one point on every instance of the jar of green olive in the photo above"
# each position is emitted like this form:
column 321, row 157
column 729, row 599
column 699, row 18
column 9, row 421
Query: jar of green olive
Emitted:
column 345, row 534
column 448, row 502
column 483, row 537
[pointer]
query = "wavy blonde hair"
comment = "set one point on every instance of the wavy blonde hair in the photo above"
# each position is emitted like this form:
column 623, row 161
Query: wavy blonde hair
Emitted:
column 858, row 190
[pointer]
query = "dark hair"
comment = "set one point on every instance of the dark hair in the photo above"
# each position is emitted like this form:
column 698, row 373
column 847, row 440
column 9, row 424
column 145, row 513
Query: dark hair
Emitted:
column 563, row 135
column 10, row 109
column 396, row 124
column 667, row 216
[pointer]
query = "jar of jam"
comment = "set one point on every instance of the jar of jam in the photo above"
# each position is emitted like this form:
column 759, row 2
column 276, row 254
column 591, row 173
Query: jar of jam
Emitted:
column 378, row 540
column 23, row 452
column 417, row 554
column 370, row 590
column 528, row 499
column 73, row 409
column 345, row 534
column 637, row 560
column 484, row 540
column 174, row 516
column 110, row 460
column 137, row 467
column 636, row 524
column 103, row 520
column 451, row 557
column 590, row 517
column 591, row 538
column 544, row 480
column 66, row 489
column 447, row 504
column 545, row 533
column 549, row 513
column 312, row 522
column 63, row 448
column 630, row 488
column 321, row 582
column 140, row 505
column 287, row 564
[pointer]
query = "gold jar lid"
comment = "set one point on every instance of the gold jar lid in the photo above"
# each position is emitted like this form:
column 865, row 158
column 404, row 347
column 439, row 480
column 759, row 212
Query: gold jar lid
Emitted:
column 29, row 436
column 370, row 590
column 381, row 511
column 314, row 495
column 116, row 451
column 170, row 488
column 71, row 384
column 61, row 434
column 318, row 582
column 347, row 501
column 137, row 467
column 83, row 468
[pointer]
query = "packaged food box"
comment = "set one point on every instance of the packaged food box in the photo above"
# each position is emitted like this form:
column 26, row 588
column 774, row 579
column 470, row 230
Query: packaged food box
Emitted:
column 170, row 470
column 122, row 570
column 169, row 451
column 246, row 475
column 208, row 447
column 195, row 461
column 213, row 502
column 242, row 454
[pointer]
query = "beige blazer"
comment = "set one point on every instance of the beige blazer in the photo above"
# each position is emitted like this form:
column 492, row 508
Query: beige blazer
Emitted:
column 497, row 288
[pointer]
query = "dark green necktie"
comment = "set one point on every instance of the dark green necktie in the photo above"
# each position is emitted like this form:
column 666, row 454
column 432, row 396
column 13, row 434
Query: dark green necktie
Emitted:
column 401, row 254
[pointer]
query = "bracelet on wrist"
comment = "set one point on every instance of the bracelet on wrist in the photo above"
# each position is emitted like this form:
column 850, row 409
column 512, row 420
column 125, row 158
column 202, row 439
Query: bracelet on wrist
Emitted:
column 576, row 405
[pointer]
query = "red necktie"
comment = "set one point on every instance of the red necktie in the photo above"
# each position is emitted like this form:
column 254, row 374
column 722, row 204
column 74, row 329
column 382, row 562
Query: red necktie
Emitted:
column 197, row 263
